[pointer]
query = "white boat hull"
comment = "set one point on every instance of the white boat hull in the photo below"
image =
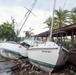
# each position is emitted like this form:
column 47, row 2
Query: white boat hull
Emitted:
column 12, row 50
column 49, row 55
column 9, row 55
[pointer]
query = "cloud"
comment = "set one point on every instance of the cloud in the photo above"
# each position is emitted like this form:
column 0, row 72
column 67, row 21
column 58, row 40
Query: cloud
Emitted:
column 42, row 10
column 18, row 0
column 18, row 12
column 37, row 23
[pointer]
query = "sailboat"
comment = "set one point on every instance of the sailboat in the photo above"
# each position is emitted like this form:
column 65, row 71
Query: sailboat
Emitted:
column 48, row 56
column 15, row 49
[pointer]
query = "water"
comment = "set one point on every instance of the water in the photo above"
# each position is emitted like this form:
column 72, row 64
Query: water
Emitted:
column 6, row 72
column 5, row 66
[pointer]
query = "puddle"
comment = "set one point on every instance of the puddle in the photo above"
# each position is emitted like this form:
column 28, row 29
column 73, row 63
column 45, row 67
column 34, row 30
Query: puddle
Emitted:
column 6, row 73
column 5, row 66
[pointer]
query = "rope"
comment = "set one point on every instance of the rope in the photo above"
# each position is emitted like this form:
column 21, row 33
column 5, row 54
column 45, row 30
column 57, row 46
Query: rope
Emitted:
column 64, row 4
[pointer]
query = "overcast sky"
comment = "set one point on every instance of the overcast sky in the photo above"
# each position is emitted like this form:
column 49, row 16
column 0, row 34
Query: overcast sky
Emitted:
column 42, row 10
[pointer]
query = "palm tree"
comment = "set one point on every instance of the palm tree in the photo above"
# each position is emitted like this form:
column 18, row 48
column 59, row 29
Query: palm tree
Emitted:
column 48, row 22
column 61, row 17
column 73, row 15
column 28, row 33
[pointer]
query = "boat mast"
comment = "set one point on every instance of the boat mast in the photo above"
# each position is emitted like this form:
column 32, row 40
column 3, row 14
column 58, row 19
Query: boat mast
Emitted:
column 51, row 26
column 27, row 15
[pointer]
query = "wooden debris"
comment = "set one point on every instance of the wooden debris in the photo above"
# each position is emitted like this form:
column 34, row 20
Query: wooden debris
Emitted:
column 24, row 67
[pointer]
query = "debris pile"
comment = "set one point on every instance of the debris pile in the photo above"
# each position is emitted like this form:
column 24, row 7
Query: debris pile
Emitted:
column 24, row 67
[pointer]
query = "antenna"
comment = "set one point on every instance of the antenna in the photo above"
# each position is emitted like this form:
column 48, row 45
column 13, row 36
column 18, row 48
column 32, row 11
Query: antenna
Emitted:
column 27, row 15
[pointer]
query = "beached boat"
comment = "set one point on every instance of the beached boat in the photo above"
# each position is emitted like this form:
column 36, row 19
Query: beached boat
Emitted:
column 48, row 56
column 12, row 50
column 15, row 50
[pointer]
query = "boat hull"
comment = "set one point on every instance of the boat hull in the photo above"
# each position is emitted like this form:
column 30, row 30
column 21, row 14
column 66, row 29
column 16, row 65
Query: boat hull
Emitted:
column 42, row 67
column 49, row 55
column 12, row 50
column 8, row 55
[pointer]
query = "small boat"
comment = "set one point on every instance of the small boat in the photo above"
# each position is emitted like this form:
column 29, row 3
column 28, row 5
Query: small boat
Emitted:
column 48, row 56
column 12, row 50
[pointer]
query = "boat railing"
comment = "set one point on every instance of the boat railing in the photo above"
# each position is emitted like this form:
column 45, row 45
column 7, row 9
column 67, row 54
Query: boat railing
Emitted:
column 37, row 42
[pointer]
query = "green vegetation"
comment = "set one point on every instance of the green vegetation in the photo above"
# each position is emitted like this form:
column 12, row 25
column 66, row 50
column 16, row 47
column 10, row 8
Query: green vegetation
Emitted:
column 22, row 72
column 48, row 22
column 6, row 30
column 73, row 15
column 28, row 33
column 62, row 18
column 67, row 44
column 32, row 73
